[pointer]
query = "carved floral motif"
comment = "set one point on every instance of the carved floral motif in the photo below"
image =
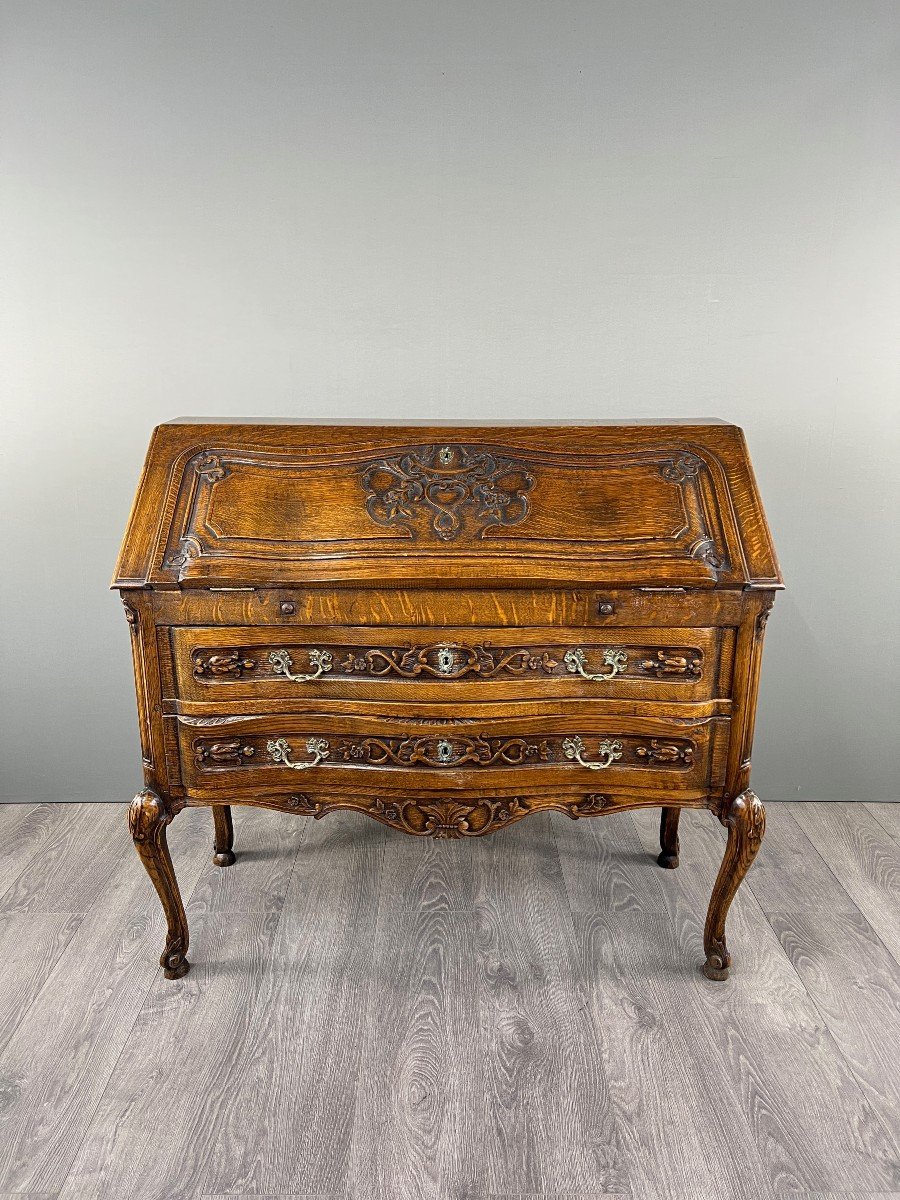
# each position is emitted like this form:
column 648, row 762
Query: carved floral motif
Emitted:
column 131, row 615
column 681, row 469
column 747, row 813
column 447, row 661
column 210, row 468
column 441, row 660
column 145, row 813
column 687, row 471
column 448, row 818
column 590, row 806
column 705, row 550
column 227, row 662
column 763, row 616
column 443, row 490
column 188, row 548
column 658, row 751
column 669, row 662
column 444, row 816
column 450, row 751
column 233, row 752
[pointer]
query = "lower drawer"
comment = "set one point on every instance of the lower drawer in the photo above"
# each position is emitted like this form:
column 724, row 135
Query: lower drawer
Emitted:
column 277, row 752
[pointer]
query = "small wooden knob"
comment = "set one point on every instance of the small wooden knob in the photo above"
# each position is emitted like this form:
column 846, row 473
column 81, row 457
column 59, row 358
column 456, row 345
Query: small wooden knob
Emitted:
column 606, row 608
column 288, row 608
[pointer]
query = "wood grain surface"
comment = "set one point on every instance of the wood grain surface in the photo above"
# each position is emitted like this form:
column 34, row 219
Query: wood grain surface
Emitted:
column 290, row 1112
column 765, row 1031
column 65, row 1048
column 487, row 1020
column 864, row 857
column 26, row 830
column 888, row 817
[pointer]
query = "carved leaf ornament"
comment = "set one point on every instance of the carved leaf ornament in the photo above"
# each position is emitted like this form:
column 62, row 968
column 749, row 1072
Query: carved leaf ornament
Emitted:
column 449, row 489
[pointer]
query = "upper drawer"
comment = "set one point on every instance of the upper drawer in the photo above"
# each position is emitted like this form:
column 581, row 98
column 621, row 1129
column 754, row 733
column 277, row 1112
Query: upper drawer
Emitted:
column 214, row 663
column 587, row 504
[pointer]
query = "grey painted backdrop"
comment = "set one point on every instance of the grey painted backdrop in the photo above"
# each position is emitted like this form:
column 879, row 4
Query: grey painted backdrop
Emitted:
column 456, row 209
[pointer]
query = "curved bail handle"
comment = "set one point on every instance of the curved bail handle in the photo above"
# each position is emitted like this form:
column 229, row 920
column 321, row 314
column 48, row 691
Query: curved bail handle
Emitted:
column 280, row 752
column 282, row 664
column 615, row 659
column 573, row 747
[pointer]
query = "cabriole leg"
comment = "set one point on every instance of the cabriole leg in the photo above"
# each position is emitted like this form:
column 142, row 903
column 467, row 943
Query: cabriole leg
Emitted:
column 745, row 819
column 668, row 837
column 148, row 817
column 224, row 835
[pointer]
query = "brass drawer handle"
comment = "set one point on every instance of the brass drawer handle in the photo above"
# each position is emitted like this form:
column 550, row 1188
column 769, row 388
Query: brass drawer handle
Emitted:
column 282, row 664
column 573, row 747
column 280, row 752
column 617, row 660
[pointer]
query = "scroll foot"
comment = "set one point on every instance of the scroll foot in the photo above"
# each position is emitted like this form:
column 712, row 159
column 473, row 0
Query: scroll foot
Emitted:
column 668, row 837
column 717, row 963
column 745, row 819
column 223, row 836
column 148, row 817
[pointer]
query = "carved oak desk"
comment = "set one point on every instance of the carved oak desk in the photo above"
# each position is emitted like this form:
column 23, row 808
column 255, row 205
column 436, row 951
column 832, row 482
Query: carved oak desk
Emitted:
column 447, row 628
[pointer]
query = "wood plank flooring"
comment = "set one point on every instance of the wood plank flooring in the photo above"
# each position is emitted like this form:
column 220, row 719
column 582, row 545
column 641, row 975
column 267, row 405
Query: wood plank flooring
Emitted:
column 373, row 1017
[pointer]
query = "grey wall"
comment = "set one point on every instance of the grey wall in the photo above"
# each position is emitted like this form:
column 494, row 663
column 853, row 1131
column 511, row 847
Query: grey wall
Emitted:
column 475, row 209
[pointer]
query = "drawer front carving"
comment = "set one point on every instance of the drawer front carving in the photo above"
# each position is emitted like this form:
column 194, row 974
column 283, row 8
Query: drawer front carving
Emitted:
column 634, row 663
column 268, row 748
column 451, row 750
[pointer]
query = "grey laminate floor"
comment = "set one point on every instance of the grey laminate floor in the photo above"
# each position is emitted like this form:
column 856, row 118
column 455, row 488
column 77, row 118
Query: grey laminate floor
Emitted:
column 377, row 1017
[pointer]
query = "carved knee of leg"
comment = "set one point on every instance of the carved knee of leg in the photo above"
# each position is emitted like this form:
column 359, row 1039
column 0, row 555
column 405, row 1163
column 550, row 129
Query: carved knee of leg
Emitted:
column 147, row 818
column 745, row 819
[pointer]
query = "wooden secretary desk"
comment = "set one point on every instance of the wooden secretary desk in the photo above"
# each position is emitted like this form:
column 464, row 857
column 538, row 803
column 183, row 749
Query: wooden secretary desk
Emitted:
column 447, row 627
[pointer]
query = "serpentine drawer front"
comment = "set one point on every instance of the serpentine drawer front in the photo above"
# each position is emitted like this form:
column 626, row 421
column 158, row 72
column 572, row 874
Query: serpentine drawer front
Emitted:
column 562, row 752
column 215, row 665
column 447, row 628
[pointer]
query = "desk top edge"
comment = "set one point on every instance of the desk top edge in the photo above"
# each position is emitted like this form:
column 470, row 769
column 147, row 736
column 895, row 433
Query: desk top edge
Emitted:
column 452, row 423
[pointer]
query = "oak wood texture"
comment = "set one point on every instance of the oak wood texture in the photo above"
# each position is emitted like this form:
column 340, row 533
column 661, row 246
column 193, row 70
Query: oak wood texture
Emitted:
column 215, row 498
column 224, row 664
column 447, row 628
column 354, row 985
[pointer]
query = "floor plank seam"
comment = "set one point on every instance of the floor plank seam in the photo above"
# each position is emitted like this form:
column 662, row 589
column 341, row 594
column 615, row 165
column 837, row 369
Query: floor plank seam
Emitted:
column 206, row 1189
column 810, row 998
column 25, row 1011
column 890, row 1134
column 39, row 850
column 110, row 1079
column 125, row 1043
column 562, row 872
column 849, row 896
column 872, row 809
